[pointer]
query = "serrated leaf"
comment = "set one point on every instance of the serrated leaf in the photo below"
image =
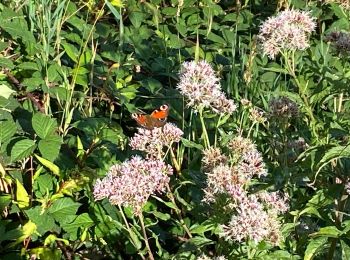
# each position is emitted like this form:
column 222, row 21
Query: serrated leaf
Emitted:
column 53, row 168
column 43, row 125
column 22, row 149
column 22, row 197
column 6, row 91
column 314, row 247
column 82, row 221
column 43, row 221
column 62, row 208
column 7, row 130
column 80, row 224
column 50, row 147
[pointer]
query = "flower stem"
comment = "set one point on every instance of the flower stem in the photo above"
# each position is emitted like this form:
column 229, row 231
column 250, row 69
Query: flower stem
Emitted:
column 205, row 133
column 150, row 255
column 173, row 159
column 134, row 243
column 177, row 210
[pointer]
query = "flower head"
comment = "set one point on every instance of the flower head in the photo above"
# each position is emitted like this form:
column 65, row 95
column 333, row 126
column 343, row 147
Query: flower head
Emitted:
column 153, row 141
column 132, row 182
column 240, row 145
column 340, row 41
column 274, row 200
column 343, row 3
column 212, row 157
column 224, row 179
column 283, row 107
column 202, row 89
column 252, row 222
column 289, row 30
column 252, row 164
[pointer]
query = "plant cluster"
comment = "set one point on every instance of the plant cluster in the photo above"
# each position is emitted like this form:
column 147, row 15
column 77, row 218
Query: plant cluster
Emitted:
column 247, row 156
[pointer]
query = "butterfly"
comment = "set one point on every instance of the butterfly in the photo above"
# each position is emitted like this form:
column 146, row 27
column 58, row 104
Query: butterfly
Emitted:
column 156, row 119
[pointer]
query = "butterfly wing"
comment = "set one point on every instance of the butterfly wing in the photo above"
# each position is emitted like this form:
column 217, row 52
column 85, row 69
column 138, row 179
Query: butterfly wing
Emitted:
column 161, row 113
column 156, row 119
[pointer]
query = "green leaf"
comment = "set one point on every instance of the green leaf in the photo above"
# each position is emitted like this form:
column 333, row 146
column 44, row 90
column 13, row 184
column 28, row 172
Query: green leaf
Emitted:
column 113, row 10
column 44, row 221
column 199, row 241
column 53, row 168
column 71, row 51
column 82, row 221
column 62, row 208
column 50, row 147
column 6, row 63
column 334, row 153
column 190, row 144
column 202, row 228
column 345, row 250
column 5, row 91
column 33, row 83
column 22, row 197
column 169, row 204
column 43, row 125
column 314, row 247
column 28, row 66
column 22, row 149
column 7, row 130
column 330, row 231
column 310, row 210
column 27, row 230
column 160, row 215
column 5, row 200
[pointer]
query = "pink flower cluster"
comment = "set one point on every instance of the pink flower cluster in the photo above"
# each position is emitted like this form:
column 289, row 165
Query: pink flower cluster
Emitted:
column 202, row 89
column 153, row 141
column 132, row 182
column 230, row 175
column 289, row 30
column 253, row 221
column 224, row 176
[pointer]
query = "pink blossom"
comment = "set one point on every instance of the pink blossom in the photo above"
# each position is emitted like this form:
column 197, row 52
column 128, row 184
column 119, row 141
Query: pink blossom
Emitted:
column 202, row 89
column 289, row 30
column 132, row 182
column 153, row 141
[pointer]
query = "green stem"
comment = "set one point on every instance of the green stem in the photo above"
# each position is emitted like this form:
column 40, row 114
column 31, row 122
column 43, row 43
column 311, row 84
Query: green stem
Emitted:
column 178, row 211
column 150, row 255
column 216, row 130
column 289, row 58
column 134, row 243
column 204, row 129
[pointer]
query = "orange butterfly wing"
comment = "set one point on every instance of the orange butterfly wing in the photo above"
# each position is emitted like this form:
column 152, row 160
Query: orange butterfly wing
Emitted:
column 156, row 119
column 161, row 113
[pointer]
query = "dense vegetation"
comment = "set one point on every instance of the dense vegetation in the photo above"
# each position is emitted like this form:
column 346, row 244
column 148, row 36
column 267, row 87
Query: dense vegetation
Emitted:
column 252, row 164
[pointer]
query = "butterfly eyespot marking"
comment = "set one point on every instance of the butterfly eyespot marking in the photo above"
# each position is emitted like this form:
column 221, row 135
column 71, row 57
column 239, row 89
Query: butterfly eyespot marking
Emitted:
column 163, row 107
column 134, row 115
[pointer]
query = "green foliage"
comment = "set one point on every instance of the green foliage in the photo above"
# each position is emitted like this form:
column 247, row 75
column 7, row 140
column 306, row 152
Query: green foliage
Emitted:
column 72, row 72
